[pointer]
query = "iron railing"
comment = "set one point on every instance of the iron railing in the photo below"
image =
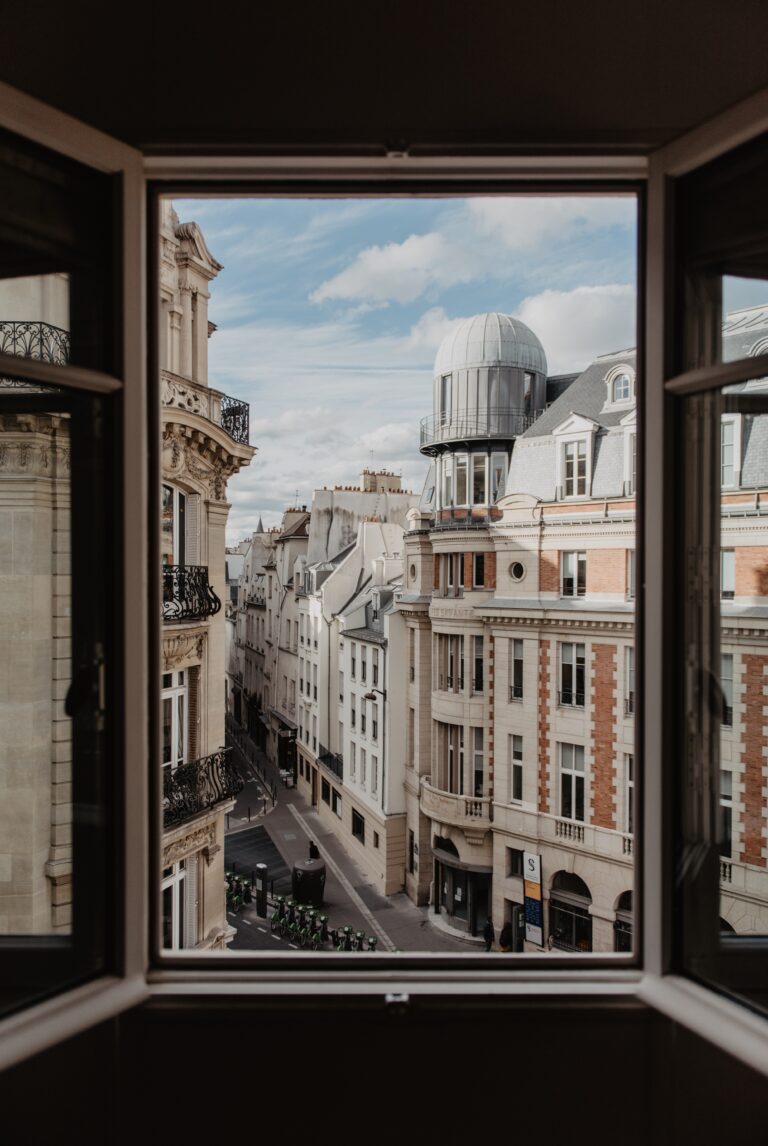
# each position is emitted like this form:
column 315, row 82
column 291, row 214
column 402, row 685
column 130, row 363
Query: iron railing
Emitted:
column 333, row 761
column 199, row 785
column 187, row 594
column 234, row 419
column 493, row 422
column 35, row 340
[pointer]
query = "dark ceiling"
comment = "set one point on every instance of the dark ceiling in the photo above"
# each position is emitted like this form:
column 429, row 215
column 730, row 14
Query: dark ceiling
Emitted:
column 512, row 73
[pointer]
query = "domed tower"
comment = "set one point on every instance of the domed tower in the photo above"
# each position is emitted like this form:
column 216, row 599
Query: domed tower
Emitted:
column 490, row 381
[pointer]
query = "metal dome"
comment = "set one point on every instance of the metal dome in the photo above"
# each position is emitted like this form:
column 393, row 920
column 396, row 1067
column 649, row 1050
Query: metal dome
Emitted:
column 491, row 340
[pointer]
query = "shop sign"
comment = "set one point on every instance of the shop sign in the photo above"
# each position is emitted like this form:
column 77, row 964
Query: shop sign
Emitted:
column 534, row 913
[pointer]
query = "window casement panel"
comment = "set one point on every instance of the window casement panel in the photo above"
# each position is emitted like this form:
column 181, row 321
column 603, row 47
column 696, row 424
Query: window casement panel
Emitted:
column 72, row 200
column 713, row 565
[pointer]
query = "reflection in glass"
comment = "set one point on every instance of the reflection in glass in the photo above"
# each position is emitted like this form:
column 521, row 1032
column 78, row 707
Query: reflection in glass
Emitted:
column 35, row 672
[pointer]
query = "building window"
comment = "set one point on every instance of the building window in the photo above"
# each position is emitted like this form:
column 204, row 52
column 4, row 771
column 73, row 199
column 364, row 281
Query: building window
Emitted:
column 374, row 775
column 174, row 895
column 353, row 660
column 726, row 813
column 498, row 476
column 173, row 526
column 174, row 701
column 363, row 663
column 411, row 654
column 572, row 666
column 375, row 666
column 352, row 713
column 622, row 388
column 448, row 481
column 479, row 479
column 478, row 766
column 462, row 493
column 726, row 683
column 573, row 574
column 336, row 802
column 314, row 682
column 478, row 665
column 572, row 782
column 325, row 791
column 374, row 722
column 630, row 574
column 362, row 714
column 629, row 682
column 622, row 927
column 727, row 574
column 341, row 686
column 358, row 826
column 445, row 398
column 574, row 469
column 454, row 737
column 375, row 839
column 352, row 759
column 631, row 487
column 514, row 862
column 516, row 767
column 478, row 570
column 516, row 670
column 727, row 452
column 629, row 793
column 570, row 923
column 363, row 763
column 411, row 852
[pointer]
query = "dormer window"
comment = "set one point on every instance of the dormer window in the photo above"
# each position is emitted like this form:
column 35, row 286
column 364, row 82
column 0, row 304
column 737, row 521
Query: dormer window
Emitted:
column 622, row 388
column 573, row 466
column 574, row 469
column 620, row 384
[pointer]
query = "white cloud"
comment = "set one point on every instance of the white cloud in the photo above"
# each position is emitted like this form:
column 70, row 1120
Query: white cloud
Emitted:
column 523, row 223
column 575, row 326
column 401, row 272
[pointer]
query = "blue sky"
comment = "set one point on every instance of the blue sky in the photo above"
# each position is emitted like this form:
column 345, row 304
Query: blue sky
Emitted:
column 329, row 314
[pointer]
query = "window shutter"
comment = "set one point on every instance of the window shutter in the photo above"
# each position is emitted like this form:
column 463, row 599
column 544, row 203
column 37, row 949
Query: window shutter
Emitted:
column 191, row 937
column 193, row 712
column 193, row 529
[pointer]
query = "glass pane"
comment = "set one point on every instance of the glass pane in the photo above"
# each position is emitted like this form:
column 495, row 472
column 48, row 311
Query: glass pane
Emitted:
column 35, row 666
column 350, row 556
column 57, row 271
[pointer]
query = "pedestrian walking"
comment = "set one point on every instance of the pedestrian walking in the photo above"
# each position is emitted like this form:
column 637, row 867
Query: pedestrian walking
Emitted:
column 314, row 852
column 488, row 934
column 505, row 938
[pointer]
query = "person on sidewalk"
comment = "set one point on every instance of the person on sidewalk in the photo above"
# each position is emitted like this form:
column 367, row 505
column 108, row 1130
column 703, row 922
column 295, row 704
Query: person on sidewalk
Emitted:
column 314, row 852
column 505, row 938
column 488, row 934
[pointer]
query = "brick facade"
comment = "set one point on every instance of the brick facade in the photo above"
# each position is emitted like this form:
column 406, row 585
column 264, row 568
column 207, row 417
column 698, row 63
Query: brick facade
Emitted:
column 549, row 572
column 754, row 743
column 606, row 570
column 603, row 708
column 751, row 571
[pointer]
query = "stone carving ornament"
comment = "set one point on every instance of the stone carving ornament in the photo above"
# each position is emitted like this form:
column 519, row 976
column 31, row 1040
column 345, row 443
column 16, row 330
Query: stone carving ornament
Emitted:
column 188, row 845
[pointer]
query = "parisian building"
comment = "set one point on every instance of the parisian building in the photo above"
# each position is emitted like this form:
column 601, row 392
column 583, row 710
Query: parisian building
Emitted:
column 519, row 604
column 205, row 442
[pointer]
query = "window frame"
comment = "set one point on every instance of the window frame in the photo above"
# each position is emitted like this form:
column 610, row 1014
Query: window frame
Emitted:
column 729, row 1025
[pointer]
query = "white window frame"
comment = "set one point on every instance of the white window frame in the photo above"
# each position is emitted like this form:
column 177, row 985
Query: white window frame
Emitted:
column 516, row 768
column 574, row 431
column 721, row 1021
column 734, row 421
column 616, row 372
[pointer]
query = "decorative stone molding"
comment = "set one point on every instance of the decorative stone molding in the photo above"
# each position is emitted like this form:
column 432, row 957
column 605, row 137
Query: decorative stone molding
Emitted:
column 180, row 649
column 184, row 396
column 187, row 845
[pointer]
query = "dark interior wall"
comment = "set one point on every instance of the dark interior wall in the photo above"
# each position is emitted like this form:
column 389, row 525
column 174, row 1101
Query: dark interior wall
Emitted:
column 528, row 72
column 352, row 1071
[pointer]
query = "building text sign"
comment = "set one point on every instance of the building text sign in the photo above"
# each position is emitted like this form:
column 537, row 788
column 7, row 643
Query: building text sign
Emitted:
column 534, row 913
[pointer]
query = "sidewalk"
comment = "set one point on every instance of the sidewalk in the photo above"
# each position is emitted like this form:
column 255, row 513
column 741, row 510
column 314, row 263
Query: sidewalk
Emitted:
column 349, row 897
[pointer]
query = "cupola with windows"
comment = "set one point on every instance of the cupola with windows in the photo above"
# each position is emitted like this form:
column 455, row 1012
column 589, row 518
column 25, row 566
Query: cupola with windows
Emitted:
column 490, row 381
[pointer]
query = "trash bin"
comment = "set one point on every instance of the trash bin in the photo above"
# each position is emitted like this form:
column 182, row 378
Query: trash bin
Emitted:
column 308, row 882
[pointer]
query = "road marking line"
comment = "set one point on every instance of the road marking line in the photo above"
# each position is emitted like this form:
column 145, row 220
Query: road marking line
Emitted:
column 248, row 922
column 353, row 895
column 277, row 937
column 293, row 945
column 262, row 929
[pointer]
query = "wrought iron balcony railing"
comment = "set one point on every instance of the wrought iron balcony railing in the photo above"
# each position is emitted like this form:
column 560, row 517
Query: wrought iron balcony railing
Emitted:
column 199, row 785
column 183, row 394
column 333, row 761
column 234, row 419
column 494, row 422
column 35, row 340
column 187, row 594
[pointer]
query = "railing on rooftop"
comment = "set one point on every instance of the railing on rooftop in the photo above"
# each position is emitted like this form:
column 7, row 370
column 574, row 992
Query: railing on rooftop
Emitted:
column 333, row 761
column 199, row 785
column 187, row 593
column 493, row 422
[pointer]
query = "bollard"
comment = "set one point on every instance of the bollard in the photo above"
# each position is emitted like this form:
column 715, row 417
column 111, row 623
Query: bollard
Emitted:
column 261, row 890
column 249, row 813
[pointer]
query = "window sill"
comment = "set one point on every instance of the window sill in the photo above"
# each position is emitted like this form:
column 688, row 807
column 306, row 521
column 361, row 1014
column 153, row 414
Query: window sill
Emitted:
column 45, row 1024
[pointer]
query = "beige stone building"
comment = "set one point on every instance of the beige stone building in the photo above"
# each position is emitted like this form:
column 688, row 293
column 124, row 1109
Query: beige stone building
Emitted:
column 519, row 601
column 205, row 442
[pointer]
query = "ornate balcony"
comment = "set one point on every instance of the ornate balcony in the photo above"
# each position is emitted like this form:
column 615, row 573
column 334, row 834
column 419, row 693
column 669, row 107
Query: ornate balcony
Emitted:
column 183, row 394
column 471, row 425
column 35, row 340
column 333, row 761
column 187, row 595
column 202, row 784
column 472, row 813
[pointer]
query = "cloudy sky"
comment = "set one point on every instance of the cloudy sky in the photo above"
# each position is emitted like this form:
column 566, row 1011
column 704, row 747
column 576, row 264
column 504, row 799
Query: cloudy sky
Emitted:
column 329, row 314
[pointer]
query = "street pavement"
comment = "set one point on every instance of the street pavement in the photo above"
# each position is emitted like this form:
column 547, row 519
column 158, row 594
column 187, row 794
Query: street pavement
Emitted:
column 278, row 834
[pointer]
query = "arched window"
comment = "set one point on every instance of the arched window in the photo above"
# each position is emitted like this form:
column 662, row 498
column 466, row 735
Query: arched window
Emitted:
column 174, row 516
column 622, row 927
column 570, row 924
column 622, row 388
